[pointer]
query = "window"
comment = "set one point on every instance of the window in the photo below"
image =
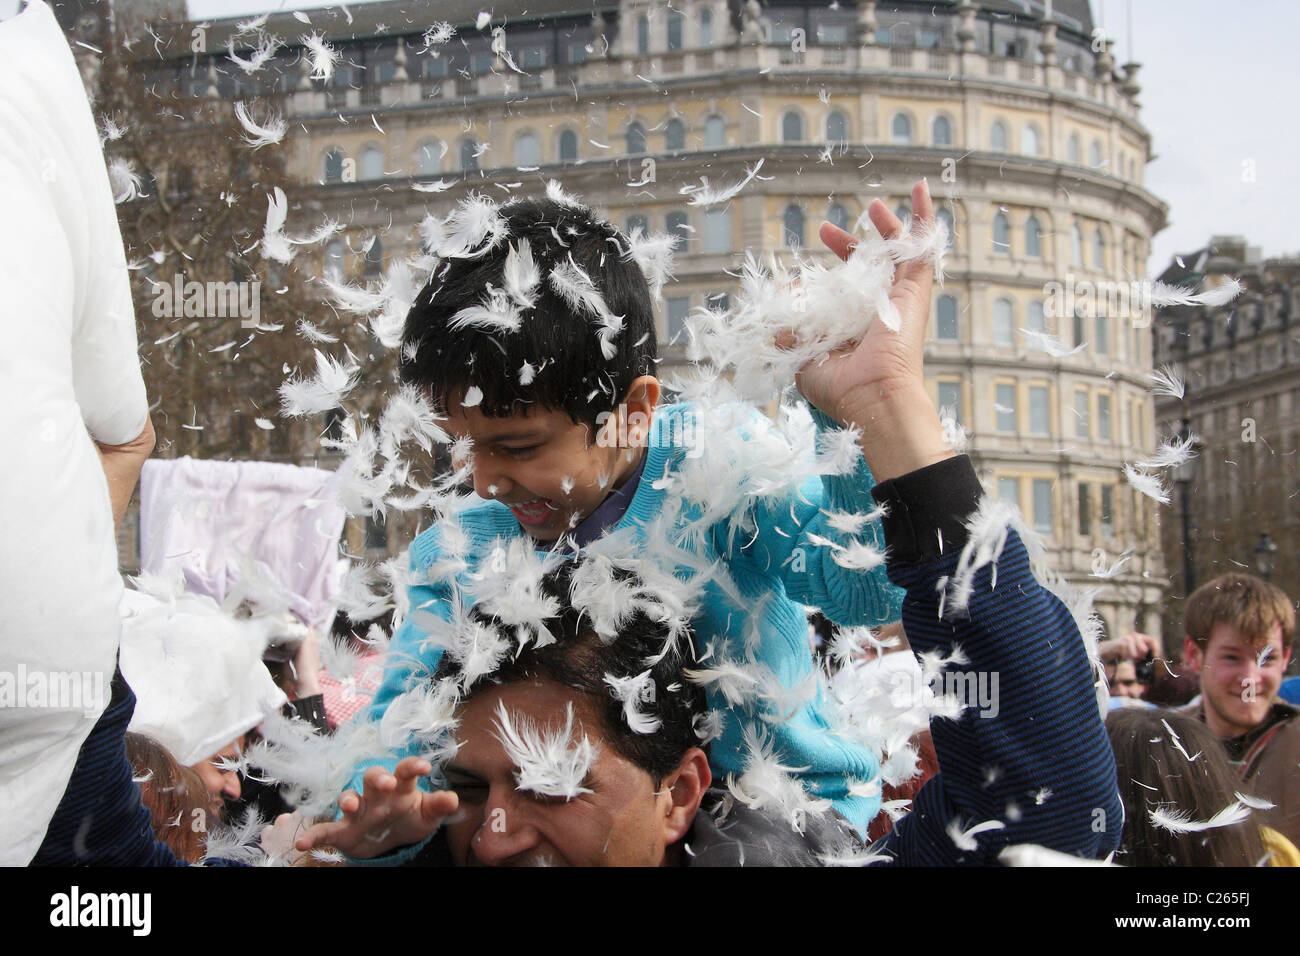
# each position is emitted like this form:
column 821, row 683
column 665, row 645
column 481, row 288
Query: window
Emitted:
column 715, row 132
column 1039, row 411
column 674, row 30
column 1099, row 250
column 374, row 258
column 1029, row 145
column 945, row 326
column 718, row 301
column 643, row 34
column 376, row 533
column 1081, row 415
column 998, row 137
column 1107, row 513
column 677, row 309
column 1001, row 235
column 1085, row 509
column 1072, row 149
column 1043, row 522
column 706, row 28
column 900, row 130
column 943, row 214
column 674, row 135
column 1035, row 320
column 1033, row 238
column 635, row 139
column 533, row 57
column 1005, row 406
column 481, row 63
column 1009, row 490
column 468, row 155
column 837, row 128
column 950, row 398
column 832, row 34
column 638, row 223
column 1076, row 245
column 1079, row 339
column 334, row 261
column 717, row 230
column 941, row 131
column 837, row 215
column 1101, row 334
column 1103, row 418
column 1094, row 154
column 528, row 150
column 428, row 158
column 678, row 228
column 1004, row 321
column 333, row 166
column 792, row 227
column 372, row 163
column 578, row 53
column 792, row 128
column 568, row 146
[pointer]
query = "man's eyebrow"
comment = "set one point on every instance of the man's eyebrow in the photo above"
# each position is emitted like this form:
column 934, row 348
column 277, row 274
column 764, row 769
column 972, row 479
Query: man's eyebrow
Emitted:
column 451, row 769
column 514, row 436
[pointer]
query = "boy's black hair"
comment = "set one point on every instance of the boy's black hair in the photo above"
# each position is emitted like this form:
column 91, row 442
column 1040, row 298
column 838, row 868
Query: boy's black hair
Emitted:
column 573, row 375
column 580, row 660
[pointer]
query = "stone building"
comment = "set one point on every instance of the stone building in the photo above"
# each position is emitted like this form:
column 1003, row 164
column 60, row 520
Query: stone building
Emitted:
column 1028, row 131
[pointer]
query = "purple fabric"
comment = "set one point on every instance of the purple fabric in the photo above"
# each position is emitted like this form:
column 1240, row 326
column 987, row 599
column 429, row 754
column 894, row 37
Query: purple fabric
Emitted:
column 608, row 512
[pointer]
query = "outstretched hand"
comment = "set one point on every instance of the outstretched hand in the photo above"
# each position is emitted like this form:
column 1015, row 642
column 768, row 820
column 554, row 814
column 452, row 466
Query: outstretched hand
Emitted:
column 393, row 812
column 877, row 384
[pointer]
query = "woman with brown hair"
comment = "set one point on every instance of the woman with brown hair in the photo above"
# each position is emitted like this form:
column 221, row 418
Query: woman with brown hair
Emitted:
column 174, row 794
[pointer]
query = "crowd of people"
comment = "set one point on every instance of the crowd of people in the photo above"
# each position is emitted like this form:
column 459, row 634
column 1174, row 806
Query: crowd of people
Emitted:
column 602, row 657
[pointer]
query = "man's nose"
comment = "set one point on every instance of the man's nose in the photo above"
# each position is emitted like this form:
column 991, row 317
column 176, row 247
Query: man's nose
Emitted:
column 230, row 785
column 504, row 833
column 490, row 480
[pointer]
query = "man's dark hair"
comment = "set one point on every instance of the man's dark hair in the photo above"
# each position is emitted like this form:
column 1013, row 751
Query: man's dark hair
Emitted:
column 572, row 373
column 580, row 660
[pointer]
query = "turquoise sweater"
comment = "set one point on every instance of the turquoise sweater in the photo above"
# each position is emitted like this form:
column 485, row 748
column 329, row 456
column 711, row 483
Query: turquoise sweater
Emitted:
column 775, row 569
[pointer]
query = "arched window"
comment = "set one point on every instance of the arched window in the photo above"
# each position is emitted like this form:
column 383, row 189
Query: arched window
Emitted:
column 528, row 150
column 998, row 136
column 706, row 27
column 1029, row 140
column 568, row 146
column 374, row 258
column 1072, row 151
column 643, row 34
column 334, row 260
column 1099, row 250
column 943, row 214
column 674, row 30
column 334, row 166
column 1001, row 235
column 428, row 158
column 717, row 230
column 715, row 132
column 837, row 215
column 900, row 130
column 635, row 139
column 1094, row 154
column 1033, row 238
column 1004, row 322
column 792, row 128
column 372, row 163
column 837, row 128
column 1076, row 245
column 1035, row 320
column 674, row 135
column 792, row 227
column 678, row 228
column 945, row 326
column 941, row 131
column 468, row 154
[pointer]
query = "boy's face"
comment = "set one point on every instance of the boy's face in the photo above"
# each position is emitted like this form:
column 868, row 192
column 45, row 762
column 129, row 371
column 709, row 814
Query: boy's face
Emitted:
column 551, row 472
column 1239, row 677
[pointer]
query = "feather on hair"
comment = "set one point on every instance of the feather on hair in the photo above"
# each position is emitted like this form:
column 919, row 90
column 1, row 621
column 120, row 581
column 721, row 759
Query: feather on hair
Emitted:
column 549, row 763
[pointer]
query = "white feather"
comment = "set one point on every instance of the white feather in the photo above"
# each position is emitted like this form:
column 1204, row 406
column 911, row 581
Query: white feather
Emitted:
column 1147, row 484
column 1179, row 821
column 653, row 255
column 1167, row 380
column 264, row 51
column 634, row 691
column 124, row 180
column 1164, row 295
column 1046, row 342
column 333, row 380
column 260, row 134
column 322, row 56
column 550, row 763
column 1031, row 854
column 965, row 840
column 521, row 275
column 578, row 291
column 706, row 195
column 314, row 335
column 1172, row 453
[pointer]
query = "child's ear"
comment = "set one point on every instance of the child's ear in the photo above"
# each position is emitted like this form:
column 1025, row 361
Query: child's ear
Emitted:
column 638, row 409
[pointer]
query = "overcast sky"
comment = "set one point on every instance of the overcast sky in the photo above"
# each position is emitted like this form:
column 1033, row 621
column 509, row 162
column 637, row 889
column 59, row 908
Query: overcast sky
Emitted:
column 1220, row 83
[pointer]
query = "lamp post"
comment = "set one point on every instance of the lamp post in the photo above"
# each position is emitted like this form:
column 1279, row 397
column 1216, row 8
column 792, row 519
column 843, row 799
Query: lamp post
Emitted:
column 1184, row 475
column 1265, row 555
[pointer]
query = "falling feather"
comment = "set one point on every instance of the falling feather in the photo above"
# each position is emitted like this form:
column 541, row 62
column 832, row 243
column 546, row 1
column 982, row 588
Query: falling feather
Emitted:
column 521, row 275
column 321, row 55
column 549, row 763
column 1180, row 821
column 313, row 334
column 260, row 134
column 1105, row 573
column 633, row 691
column 1147, row 484
column 575, row 287
column 264, row 51
column 653, row 255
column 437, row 186
column 1164, row 295
column 1172, row 453
column 333, row 380
column 1166, row 380
column 965, row 840
column 275, row 245
column 438, row 34
column 1046, row 342
column 705, row 195
column 124, row 180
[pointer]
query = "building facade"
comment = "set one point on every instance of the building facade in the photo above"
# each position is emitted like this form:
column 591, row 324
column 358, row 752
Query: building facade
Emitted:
column 1027, row 129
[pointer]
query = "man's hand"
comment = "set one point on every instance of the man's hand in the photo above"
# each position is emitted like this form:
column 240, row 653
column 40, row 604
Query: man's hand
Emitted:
column 122, row 464
column 393, row 812
column 1135, row 647
column 877, row 384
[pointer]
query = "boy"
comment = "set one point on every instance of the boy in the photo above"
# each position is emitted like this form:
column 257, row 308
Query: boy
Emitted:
column 536, row 342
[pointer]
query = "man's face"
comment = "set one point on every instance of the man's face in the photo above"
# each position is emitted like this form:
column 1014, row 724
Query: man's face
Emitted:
column 1239, row 679
column 1124, row 682
column 549, row 471
column 221, row 784
column 622, row 822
